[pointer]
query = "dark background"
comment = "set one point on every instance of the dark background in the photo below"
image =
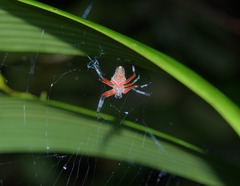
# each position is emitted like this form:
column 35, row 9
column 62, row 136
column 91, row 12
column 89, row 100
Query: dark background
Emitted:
column 203, row 35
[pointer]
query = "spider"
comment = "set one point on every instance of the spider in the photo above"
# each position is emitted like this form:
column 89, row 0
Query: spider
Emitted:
column 120, row 85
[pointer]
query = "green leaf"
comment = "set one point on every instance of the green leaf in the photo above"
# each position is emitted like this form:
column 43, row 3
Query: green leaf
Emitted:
column 42, row 128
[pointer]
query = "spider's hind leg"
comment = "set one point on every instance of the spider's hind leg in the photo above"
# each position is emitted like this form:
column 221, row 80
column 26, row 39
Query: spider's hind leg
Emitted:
column 145, row 85
column 141, row 92
column 142, row 86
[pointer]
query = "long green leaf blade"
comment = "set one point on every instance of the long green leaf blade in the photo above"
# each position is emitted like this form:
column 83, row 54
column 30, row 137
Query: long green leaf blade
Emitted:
column 24, row 125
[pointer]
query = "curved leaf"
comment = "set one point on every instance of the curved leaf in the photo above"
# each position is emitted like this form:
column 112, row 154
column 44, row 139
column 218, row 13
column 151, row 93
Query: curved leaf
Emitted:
column 41, row 128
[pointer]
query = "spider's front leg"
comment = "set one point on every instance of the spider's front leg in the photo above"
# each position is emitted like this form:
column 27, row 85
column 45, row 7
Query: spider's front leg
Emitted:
column 95, row 65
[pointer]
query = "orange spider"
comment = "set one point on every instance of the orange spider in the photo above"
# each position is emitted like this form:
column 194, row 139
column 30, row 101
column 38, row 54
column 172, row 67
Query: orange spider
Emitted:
column 120, row 85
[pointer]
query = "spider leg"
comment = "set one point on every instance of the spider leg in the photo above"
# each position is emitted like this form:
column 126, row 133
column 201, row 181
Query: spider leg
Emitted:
column 130, row 84
column 133, row 70
column 100, row 104
column 132, row 77
column 107, row 82
column 138, row 77
column 128, row 89
column 136, row 90
column 141, row 92
column 95, row 65
column 145, row 85
column 101, row 101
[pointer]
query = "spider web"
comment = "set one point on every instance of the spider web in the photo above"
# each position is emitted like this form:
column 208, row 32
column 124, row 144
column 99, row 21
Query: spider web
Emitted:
column 67, row 79
column 73, row 169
